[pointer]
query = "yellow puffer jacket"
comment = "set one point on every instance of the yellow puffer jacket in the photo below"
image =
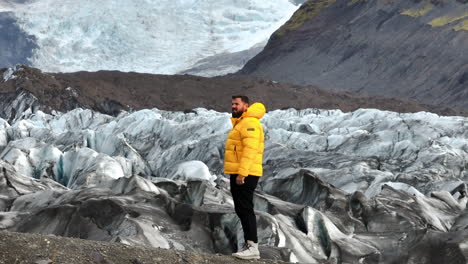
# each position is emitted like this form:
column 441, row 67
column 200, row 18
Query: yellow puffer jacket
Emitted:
column 245, row 143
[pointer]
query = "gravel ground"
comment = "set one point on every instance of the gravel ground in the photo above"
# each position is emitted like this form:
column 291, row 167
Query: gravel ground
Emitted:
column 16, row 248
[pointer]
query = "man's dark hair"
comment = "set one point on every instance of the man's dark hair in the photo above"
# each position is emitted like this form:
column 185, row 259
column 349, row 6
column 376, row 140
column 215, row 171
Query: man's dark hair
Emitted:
column 243, row 98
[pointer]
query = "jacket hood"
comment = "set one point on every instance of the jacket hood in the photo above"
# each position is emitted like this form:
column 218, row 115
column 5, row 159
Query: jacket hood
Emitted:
column 256, row 110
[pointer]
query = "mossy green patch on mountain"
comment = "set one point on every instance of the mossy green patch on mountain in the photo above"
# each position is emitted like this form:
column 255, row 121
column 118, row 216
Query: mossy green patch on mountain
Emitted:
column 417, row 12
column 307, row 11
column 445, row 20
column 462, row 26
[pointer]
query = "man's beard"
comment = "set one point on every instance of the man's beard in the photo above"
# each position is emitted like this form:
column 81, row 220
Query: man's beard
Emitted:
column 237, row 115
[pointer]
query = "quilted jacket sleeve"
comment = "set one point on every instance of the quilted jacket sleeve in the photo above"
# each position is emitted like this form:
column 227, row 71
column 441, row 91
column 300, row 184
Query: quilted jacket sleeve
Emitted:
column 250, row 133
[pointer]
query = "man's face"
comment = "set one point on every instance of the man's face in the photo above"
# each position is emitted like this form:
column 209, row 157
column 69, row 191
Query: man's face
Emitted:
column 238, row 107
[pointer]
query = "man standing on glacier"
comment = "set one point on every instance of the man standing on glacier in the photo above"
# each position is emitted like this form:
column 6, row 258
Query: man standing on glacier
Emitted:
column 243, row 161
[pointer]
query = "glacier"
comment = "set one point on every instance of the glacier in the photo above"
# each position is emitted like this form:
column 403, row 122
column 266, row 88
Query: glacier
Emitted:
column 366, row 186
column 154, row 36
column 372, row 146
column 9, row 73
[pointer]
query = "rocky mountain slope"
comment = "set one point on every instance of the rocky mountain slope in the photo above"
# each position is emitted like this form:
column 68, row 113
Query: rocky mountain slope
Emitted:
column 109, row 92
column 402, row 48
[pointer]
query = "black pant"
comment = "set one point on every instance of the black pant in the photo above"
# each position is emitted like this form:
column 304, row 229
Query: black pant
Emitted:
column 243, row 204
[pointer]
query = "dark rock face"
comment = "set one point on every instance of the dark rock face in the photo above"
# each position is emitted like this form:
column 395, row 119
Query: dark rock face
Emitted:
column 405, row 49
column 15, row 45
column 218, row 64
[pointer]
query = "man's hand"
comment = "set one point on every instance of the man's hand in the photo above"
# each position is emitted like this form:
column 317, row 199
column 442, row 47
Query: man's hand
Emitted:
column 240, row 180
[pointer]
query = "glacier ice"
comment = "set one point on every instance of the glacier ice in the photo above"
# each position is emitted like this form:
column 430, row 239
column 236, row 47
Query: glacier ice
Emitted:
column 9, row 73
column 151, row 36
column 192, row 170
column 336, row 185
column 359, row 150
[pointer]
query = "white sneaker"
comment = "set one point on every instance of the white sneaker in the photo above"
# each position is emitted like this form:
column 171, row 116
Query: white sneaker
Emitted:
column 249, row 251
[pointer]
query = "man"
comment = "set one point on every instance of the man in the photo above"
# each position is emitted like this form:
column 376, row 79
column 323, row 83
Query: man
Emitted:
column 243, row 161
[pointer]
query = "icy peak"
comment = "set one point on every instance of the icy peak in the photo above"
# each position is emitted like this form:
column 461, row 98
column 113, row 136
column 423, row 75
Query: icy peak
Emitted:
column 145, row 36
